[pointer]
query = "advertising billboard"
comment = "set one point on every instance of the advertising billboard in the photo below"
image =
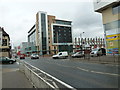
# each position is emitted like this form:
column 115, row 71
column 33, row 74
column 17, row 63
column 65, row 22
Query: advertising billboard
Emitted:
column 113, row 43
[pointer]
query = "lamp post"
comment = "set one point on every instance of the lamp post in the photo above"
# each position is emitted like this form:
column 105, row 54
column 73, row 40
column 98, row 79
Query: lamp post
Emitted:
column 81, row 34
column 81, row 37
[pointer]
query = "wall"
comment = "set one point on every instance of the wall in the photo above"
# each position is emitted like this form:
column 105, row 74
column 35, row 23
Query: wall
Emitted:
column 108, row 16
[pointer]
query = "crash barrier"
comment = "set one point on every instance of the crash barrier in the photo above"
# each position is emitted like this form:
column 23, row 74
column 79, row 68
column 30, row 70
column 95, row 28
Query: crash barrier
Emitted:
column 41, row 79
column 104, row 59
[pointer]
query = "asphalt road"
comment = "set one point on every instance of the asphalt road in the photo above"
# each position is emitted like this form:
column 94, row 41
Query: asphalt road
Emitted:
column 79, row 74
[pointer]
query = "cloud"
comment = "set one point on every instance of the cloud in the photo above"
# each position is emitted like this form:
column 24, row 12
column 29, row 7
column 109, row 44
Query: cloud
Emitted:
column 18, row 16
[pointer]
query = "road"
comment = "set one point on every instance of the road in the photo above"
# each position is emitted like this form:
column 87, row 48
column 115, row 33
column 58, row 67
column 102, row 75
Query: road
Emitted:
column 79, row 74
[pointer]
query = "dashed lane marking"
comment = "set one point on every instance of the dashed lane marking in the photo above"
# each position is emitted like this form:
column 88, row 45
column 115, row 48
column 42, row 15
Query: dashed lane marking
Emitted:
column 83, row 69
column 17, row 63
column 113, row 74
column 87, row 70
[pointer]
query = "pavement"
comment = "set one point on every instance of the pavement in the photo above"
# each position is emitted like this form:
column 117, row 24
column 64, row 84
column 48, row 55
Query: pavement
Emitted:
column 13, row 78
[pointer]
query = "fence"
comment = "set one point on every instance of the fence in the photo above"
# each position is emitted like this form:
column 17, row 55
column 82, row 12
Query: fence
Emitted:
column 101, row 59
column 41, row 79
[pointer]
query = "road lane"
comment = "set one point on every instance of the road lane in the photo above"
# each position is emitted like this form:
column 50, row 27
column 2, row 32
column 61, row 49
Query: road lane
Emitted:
column 68, row 72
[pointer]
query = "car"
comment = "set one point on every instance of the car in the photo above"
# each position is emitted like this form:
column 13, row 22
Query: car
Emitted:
column 22, row 56
column 60, row 55
column 34, row 56
column 7, row 60
column 98, row 52
column 78, row 55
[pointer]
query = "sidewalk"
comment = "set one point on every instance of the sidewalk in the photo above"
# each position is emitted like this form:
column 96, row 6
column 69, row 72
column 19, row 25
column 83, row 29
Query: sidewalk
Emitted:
column 13, row 78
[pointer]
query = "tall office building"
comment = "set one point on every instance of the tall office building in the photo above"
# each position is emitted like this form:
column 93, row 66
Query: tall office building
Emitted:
column 110, row 10
column 51, row 35
column 42, row 31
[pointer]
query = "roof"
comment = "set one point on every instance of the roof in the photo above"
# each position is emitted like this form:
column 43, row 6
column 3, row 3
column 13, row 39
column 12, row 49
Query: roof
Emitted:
column 4, row 33
column 31, row 28
column 63, row 20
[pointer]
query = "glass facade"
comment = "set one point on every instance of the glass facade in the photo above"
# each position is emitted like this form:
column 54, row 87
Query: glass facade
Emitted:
column 116, row 9
column 43, row 30
column 32, row 37
column 112, row 25
column 63, row 22
column 68, row 48
column 62, row 34
column 112, row 32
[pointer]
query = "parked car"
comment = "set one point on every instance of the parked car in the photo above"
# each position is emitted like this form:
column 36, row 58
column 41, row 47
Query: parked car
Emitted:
column 7, row 60
column 22, row 56
column 60, row 55
column 34, row 56
column 78, row 55
column 98, row 52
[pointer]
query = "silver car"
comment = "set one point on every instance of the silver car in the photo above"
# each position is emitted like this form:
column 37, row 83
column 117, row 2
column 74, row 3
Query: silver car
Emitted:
column 78, row 54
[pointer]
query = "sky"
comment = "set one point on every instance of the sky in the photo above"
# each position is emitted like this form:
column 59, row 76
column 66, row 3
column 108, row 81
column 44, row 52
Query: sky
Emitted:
column 18, row 16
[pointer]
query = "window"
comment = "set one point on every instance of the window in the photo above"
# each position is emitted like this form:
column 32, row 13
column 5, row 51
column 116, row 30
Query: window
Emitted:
column 4, row 42
column 54, row 48
column 60, row 54
column 116, row 9
column 29, row 48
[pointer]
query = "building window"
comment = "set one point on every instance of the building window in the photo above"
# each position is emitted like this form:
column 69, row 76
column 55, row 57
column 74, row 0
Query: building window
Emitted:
column 54, row 48
column 29, row 48
column 4, row 42
column 116, row 9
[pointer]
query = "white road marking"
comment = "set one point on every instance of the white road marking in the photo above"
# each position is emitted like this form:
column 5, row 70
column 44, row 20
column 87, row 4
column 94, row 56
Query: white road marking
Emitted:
column 86, row 70
column 17, row 63
column 83, row 69
column 113, row 74
column 112, row 65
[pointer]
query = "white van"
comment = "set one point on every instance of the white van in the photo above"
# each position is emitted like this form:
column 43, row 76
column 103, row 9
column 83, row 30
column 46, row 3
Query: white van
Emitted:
column 60, row 55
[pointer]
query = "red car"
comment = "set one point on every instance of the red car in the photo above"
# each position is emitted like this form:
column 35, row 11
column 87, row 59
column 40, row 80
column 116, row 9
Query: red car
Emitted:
column 22, row 56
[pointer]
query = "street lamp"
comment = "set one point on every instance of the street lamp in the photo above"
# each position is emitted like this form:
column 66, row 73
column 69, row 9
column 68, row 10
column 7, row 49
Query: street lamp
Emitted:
column 81, row 39
column 81, row 34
